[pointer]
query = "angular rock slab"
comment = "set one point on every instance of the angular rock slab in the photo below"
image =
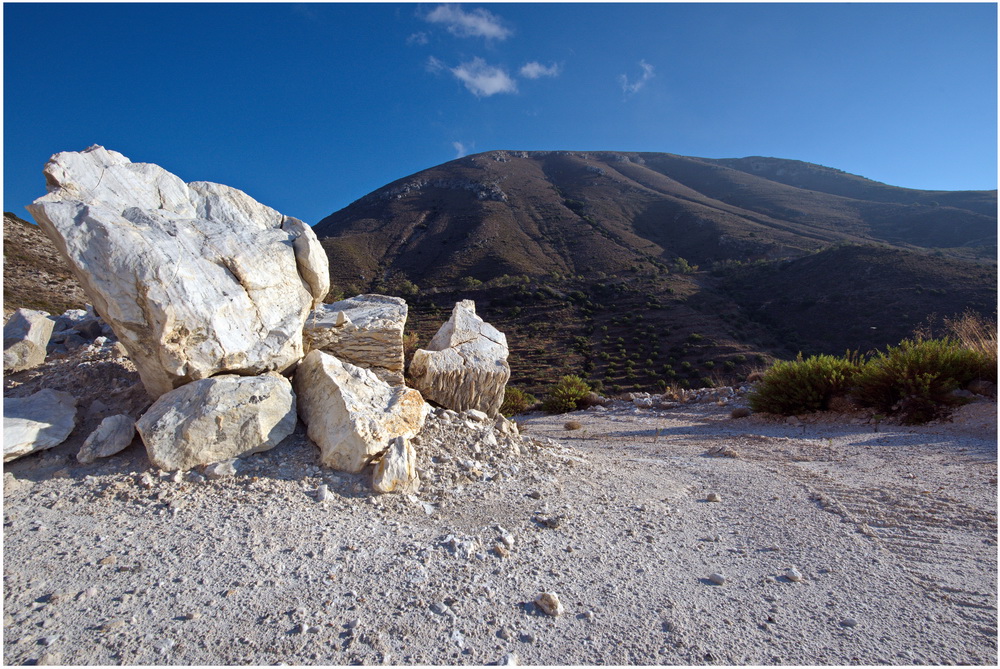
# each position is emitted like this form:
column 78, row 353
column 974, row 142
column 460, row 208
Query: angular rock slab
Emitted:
column 113, row 435
column 465, row 365
column 397, row 470
column 351, row 414
column 365, row 330
column 25, row 338
column 195, row 279
column 36, row 422
column 217, row 419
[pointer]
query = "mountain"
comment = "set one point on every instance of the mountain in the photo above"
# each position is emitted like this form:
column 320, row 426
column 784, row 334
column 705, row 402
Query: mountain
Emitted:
column 641, row 269
column 536, row 213
column 34, row 274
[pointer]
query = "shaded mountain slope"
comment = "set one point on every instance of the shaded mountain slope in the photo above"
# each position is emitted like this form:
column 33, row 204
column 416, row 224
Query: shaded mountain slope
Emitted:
column 638, row 270
column 34, row 274
column 583, row 213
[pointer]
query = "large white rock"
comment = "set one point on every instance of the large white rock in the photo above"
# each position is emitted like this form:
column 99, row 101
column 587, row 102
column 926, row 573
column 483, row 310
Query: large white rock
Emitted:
column 350, row 413
column 397, row 470
column 465, row 365
column 217, row 419
column 36, row 422
column 25, row 337
column 365, row 330
column 113, row 435
column 195, row 279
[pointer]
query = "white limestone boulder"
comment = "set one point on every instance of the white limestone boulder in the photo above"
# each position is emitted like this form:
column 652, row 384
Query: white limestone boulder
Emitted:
column 217, row 419
column 365, row 330
column 465, row 365
column 113, row 435
column 25, row 338
column 351, row 414
column 195, row 279
column 36, row 422
column 396, row 471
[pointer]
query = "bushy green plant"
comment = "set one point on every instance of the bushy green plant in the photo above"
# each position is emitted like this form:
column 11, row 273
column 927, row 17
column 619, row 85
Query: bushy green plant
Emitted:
column 917, row 377
column 802, row 385
column 516, row 401
column 566, row 395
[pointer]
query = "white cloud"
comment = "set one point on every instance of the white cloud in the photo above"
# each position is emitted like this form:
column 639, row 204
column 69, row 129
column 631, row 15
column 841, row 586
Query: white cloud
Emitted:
column 477, row 23
column 461, row 150
column 534, row 70
column 630, row 88
column 484, row 80
column 418, row 39
column 434, row 65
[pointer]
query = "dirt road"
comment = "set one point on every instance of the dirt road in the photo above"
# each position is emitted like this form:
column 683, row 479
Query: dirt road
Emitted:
column 891, row 535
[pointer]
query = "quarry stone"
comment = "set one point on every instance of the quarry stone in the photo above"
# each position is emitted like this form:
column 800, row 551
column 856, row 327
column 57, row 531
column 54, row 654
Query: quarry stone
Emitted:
column 397, row 470
column 365, row 330
column 195, row 279
column 351, row 414
column 36, row 422
column 113, row 435
column 25, row 338
column 465, row 364
column 217, row 419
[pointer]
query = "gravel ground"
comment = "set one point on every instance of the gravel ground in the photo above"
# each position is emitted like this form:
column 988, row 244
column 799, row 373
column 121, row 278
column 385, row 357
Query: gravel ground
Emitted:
column 834, row 541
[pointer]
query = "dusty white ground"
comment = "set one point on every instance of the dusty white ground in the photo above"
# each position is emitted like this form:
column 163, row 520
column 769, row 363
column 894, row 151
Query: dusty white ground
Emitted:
column 894, row 532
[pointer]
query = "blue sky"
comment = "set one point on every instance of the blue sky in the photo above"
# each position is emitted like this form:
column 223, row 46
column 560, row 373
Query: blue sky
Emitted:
column 308, row 107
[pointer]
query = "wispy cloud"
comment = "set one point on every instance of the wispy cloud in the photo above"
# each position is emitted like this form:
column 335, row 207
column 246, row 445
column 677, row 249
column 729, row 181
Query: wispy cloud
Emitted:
column 434, row 65
column 535, row 70
column 461, row 150
column 633, row 87
column 477, row 23
column 484, row 80
column 418, row 39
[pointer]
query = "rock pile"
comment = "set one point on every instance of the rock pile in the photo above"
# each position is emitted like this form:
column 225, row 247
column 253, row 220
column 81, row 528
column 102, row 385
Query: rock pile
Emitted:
column 217, row 301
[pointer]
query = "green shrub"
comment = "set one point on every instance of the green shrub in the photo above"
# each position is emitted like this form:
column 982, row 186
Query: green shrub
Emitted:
column 802, row 385
column 566, row 395
column 516, row 401
column 917, row 377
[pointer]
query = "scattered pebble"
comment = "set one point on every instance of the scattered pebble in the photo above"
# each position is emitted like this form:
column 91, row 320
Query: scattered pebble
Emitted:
column 849, row 622
column 713, row 497
column 717, row 578
column 510, row 660
column 323, row 493
column 550, row 604
column 793, row 575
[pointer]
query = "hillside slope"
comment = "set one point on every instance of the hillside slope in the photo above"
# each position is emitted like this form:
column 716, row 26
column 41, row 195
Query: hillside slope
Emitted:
column 536, row 213
column 638, row 270
column 34, row 274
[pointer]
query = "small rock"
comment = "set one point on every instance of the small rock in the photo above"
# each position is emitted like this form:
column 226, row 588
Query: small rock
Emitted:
column 510, row 660
column 218, row 470
column 717, row 578
column 849, row 622
column 713, row 497
column 589, row 616
column 353, row 623
column 49, row 659
column 109, row 560
column 147, row 480
column 550, row 604
column 793, row 575
column 501, row 551
column 112, row 625
column 323, row 493
column 49, row 640
column 193, row 615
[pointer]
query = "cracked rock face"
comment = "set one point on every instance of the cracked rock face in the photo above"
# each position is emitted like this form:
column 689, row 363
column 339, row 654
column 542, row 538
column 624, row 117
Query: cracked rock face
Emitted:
column 366, row 331
column 351, row 414
column 217, row 419
column 465, row 365
column 195, row 279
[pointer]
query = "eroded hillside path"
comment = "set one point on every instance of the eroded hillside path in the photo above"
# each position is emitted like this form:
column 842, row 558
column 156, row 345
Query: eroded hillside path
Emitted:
column 894, row 533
